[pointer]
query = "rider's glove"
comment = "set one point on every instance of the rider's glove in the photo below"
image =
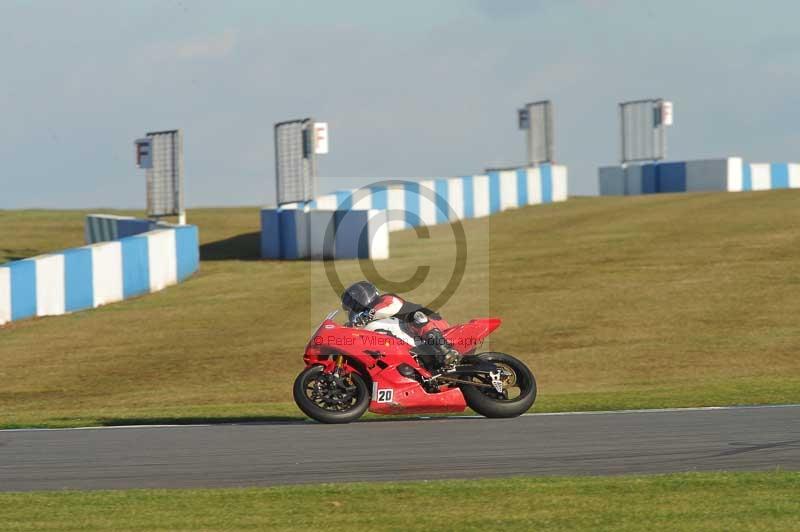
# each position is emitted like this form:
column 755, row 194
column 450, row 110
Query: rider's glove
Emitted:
column 362, row 318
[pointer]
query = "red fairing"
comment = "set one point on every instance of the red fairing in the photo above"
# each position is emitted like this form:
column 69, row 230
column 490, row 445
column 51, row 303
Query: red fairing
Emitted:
column 468, row 336
column 377, row 356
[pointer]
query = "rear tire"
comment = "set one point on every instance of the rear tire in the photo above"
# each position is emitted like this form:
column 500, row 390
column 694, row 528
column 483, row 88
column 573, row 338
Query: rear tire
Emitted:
column 487, row 402
column 304, row 384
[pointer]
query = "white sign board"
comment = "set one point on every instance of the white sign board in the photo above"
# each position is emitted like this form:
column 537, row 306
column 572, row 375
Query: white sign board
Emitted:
column 320, row 138
column 666, row 113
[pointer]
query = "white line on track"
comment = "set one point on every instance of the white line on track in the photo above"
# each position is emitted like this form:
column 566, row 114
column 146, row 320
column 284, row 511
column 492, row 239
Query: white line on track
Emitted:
column 530, row 414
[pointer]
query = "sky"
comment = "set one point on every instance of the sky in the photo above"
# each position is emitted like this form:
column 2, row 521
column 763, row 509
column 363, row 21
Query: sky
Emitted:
column 418, row 88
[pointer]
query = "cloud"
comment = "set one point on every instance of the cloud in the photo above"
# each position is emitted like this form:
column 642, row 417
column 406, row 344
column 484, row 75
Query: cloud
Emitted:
column 214, row 46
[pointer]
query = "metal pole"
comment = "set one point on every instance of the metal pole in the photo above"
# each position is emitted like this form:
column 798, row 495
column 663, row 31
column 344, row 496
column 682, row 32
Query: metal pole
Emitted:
column 622, row 134
column 277, row 173
column 529, row 134
column 178, row 168
column 313, row 156
column 661, row 128
column 622, row 150
column 549, row 135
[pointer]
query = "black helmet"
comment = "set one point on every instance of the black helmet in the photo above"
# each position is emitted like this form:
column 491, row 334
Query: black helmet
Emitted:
column 359, row 296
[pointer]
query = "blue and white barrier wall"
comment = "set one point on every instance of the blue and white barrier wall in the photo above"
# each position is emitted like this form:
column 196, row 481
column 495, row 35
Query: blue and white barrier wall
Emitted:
column 302, row 233
column 97, row 274
column 355, row 223
column 729, row 174
column 434, row 201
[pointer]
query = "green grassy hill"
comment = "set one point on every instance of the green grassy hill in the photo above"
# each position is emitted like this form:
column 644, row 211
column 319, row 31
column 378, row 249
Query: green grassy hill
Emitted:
column 652, row 301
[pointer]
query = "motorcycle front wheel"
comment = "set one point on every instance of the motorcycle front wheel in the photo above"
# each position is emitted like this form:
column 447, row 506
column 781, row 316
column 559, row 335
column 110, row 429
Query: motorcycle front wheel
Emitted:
column 519, row 388
column 331, row 399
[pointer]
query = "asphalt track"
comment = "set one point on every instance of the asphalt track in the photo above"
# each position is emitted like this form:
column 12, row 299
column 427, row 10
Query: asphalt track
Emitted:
column 733, row 439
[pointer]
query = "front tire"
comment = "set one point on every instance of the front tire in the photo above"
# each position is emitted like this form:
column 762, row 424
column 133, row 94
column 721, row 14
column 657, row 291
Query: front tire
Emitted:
column 489, row 403
column 320, row 396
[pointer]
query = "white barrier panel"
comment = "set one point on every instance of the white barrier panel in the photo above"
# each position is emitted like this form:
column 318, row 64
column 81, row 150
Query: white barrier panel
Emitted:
column 5, row 295
column 735, row 174
column 396, row 199
column 327, row 202
column 480, row 191
column 534, row 186
column 361, row 199
column 794, row 175
column 760, row 176
column 427, row 202
column 106, row 273
column 509, row 196
column 455, row 198
column 560, row 186
column 49, row 285
column 378, row 234
column 162, row 259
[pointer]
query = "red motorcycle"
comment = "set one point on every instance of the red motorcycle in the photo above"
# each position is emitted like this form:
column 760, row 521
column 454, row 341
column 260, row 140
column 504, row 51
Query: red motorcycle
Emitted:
column 379, row 368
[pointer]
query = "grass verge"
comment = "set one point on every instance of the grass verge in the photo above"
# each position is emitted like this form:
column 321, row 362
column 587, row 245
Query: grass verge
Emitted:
column 692, row 501
column 638, row 302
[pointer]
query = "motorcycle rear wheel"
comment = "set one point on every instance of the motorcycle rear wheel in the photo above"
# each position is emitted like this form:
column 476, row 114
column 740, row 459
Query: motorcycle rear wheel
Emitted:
column 487, row 402
column 322, row 399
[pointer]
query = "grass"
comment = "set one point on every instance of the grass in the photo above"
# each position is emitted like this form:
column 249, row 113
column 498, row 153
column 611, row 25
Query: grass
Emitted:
column 693, row 501
column 639, row 302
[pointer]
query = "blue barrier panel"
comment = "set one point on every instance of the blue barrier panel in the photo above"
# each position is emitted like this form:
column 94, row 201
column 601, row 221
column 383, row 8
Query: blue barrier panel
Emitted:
column 747, row 177
column 287, row 222
column 23, row 289
column 469, row 196
column 671, row 177
column 135, row 266
column 270, row 234
column 344, row 200
column 78, row 277
column 494, row 192
column 649, row 179
column 522, row 187
column 442, row 211
column 547, row 183
column 779, row 175
column 352, row 234
column 187, row 251
column 133, row 227
column 380, row 197
column 411, row 193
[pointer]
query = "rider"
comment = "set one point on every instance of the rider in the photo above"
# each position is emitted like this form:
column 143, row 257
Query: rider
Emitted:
column 365, row 303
